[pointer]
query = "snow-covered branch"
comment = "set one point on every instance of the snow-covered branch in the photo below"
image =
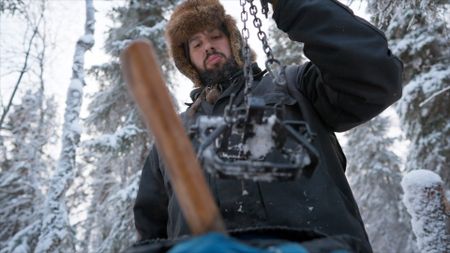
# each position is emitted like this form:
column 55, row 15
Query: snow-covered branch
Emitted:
column 434, row 95
column 115, row 141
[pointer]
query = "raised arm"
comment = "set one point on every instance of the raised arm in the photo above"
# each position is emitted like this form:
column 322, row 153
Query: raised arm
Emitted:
column 352, row 76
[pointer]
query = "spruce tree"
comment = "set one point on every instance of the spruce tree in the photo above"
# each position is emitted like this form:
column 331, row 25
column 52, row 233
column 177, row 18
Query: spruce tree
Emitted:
column 374, row 175
column 419, row 35
column 284, row 49
column 23, row 181
column 416, row 33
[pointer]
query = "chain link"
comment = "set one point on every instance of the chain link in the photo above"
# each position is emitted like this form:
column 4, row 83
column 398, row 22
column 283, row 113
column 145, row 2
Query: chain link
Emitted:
column 246, row 52
column 272, row 65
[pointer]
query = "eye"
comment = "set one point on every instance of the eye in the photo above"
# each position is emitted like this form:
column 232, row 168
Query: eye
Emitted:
column 217, row 36
column 195, row 44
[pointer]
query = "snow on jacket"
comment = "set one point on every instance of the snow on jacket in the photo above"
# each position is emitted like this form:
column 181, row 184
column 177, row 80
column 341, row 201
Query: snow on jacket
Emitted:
column 351, row 78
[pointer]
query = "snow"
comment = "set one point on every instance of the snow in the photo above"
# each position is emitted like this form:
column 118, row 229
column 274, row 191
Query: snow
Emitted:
column 75, row 128
column 424, row 201
column 211, row 121
column 260, row 144
column 431, row 84
column 146, row 31
column 420, row 178
column 115, row 140
column 121, row 44
column 87, row 39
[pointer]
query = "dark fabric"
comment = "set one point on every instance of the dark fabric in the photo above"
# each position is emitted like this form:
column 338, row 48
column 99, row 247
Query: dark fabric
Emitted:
column 351, row 78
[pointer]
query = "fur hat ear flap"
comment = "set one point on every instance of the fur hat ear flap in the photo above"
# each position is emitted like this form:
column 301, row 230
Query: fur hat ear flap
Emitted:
column 193, row 16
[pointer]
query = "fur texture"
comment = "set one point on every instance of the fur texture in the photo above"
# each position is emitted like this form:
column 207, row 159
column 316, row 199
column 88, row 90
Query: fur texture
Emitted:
column 193, row 16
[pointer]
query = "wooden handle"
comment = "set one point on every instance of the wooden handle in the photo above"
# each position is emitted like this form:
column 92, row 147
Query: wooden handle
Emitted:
column 142, row 73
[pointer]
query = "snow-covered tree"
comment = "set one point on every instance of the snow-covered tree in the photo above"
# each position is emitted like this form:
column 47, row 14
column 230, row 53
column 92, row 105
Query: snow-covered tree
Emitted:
column 120, row 142
column 27, row 127
column 22, row 181
column 56, row 234
column 426, row 202
column 419, row 35
column 284, row 49
column 374, row 175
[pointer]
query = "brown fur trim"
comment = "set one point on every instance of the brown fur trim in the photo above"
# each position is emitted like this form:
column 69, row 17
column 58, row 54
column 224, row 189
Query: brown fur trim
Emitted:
column 193, row 16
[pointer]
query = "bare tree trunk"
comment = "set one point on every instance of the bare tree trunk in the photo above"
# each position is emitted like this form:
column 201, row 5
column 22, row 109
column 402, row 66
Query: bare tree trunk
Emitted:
column 426, row 203
column 56, row 233
column 22, row 72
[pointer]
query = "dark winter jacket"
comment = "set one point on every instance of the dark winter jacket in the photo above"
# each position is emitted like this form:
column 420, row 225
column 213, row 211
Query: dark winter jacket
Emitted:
column 351, row 78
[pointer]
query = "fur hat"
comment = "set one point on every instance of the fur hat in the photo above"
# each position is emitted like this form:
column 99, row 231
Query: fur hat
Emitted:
column 193, row 16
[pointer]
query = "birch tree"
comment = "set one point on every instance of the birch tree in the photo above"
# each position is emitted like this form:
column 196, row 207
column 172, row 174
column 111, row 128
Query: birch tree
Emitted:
column 27, row 130
column 56, row 233
column 120, row 142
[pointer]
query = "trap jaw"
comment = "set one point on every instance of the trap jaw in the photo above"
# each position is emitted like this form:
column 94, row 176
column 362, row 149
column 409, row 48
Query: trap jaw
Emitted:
column 254, row 142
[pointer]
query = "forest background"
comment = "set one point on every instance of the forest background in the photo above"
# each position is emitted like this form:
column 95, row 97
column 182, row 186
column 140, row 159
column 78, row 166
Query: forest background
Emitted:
column 72, row 145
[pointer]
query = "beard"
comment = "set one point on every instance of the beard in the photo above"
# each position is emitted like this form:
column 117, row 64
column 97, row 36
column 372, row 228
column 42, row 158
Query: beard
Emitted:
column 220, row 74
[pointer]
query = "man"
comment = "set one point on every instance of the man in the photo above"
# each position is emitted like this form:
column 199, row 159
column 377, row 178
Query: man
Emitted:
column 351, row 78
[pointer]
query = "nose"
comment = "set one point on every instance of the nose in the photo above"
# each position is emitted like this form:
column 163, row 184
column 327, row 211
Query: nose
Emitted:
column 208, row 46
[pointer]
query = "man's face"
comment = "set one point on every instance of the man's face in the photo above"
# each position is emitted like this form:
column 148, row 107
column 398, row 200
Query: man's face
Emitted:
column 209, row 50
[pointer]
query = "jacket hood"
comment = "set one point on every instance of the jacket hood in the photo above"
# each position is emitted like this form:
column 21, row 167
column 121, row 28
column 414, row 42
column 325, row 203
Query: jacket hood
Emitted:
column 193, row 16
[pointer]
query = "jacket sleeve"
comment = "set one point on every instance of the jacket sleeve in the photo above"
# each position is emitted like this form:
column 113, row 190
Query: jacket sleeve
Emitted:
column 352, row 75
column 150, row 208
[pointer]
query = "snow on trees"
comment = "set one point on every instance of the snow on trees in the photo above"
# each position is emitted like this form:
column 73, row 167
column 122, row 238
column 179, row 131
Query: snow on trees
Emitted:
column 56, row 234
column 119, row 142
column 22, row 180
column 374, row 175
column 426, row 202
column 418, row 34
column 27, row 127
column 284, row 49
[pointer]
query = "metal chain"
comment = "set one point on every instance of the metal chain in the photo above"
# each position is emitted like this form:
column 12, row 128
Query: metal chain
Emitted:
column 272, row 65
column 246, row 52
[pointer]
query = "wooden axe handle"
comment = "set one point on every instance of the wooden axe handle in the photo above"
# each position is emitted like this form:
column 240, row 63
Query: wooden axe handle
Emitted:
column 142, row 73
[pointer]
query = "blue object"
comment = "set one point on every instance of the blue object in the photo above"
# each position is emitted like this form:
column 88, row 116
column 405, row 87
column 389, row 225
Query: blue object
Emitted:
column 220, row 243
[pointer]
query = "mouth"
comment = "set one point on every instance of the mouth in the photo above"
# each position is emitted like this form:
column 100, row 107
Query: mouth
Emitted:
column 213, row 59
